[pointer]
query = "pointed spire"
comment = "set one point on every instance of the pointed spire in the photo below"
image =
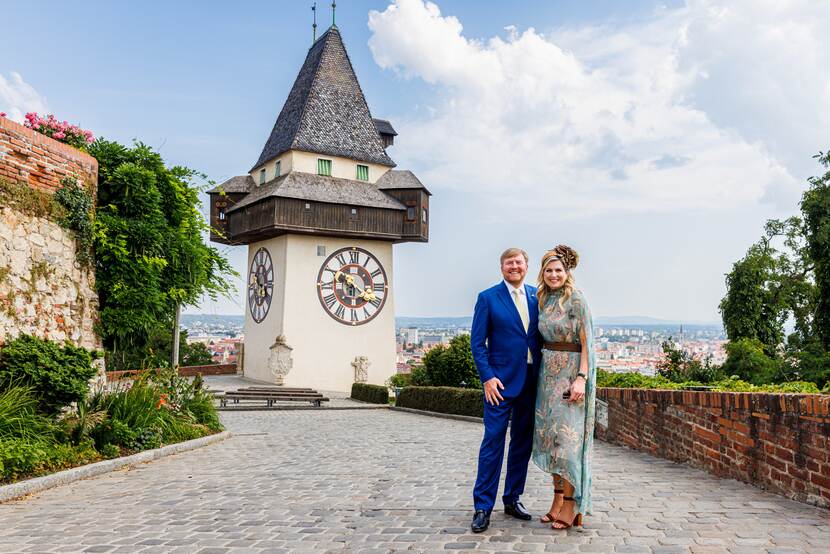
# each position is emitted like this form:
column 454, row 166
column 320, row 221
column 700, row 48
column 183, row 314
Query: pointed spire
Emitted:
column 314, row 25
column 326, row 111
column 333, row 11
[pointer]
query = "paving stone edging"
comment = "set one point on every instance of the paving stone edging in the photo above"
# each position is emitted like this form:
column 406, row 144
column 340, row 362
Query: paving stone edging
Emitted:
column 457, row 417
column 39, row 484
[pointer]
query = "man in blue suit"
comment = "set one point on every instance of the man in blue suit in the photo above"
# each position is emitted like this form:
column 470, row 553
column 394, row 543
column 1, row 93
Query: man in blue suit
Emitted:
column 507, row 352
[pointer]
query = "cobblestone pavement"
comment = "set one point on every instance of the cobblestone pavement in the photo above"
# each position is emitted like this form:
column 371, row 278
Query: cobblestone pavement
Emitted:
column 383, row 481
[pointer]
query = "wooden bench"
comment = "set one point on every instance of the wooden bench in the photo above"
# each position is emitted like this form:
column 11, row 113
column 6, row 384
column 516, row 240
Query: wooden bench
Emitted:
column 276, row 389
column 270, row 397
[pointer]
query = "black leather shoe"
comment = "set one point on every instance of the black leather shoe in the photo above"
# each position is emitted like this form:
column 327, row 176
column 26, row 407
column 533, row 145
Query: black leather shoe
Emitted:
column 481, row 521
column 518, row 511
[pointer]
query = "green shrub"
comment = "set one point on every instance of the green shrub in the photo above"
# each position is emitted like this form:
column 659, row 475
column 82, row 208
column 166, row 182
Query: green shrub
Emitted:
column 137, row 405
column 399, row 380
column 23, row 458
column 732, row 384
column 453, row 365
column 19, row 418
column 745, row 358
column 633, row 380
column 802, row 387
column 20, row 457
column 376, row 394
column 114, row 432
column 59, row 375
column 445, row 400
column 148, row 439
column 187, row 399
column 203, row 410
column 419, row 377
column 110, row 451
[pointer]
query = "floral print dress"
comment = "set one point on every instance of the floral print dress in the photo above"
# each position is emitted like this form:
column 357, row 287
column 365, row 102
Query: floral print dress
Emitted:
column 564, row 431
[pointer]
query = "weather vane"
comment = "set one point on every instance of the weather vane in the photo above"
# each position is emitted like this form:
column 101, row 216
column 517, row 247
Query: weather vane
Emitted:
column 314, row 25
column 333, row 9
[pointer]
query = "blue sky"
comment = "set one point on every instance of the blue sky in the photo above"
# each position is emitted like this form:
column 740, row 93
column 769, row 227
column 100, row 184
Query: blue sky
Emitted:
column 655, row 138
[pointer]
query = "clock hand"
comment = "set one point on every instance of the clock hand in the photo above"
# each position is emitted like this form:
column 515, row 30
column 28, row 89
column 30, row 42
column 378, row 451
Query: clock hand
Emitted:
column 348, row 279
column 366, row 294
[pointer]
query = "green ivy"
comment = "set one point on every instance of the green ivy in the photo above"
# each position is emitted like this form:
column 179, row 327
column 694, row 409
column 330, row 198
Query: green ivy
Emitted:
column 150, row 253
column 78, row 204
column 32, row 202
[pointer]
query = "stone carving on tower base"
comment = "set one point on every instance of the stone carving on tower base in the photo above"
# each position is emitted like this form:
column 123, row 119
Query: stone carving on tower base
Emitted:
column 280, row 362
column 361, row 369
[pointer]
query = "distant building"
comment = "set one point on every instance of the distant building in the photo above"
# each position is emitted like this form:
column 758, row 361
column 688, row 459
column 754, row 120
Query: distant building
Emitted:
column 411, row 335
column 431, row 341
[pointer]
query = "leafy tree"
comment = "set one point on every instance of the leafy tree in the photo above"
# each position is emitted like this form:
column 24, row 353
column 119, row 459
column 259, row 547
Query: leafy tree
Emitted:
column 815, row 206
column 195, row 353
column 449, row 366
column 150, row 254
column 768, row 285
column 746, row 359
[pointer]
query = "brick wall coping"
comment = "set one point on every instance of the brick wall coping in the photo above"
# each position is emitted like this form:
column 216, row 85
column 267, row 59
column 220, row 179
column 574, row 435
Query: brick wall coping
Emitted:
column 39, row 139
column 185, row 371
column 801, row 404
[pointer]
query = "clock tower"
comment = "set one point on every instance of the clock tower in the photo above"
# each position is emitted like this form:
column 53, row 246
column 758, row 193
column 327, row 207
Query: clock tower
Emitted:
column 320, row 211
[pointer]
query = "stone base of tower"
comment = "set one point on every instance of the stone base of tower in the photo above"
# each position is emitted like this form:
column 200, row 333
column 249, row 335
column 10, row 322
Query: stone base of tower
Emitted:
column 323, row 348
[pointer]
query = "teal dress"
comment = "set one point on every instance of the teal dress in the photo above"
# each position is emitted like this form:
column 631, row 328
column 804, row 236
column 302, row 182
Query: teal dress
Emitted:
column 563, row 436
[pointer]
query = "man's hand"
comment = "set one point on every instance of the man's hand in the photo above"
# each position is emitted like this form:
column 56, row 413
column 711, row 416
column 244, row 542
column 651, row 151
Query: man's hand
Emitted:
column 491, row 391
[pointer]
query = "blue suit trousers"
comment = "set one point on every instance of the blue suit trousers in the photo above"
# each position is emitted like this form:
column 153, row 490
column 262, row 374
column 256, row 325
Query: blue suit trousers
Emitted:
column 519, row 413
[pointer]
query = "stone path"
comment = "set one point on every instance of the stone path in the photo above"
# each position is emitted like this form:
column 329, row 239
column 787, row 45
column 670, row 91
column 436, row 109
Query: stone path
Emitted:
column 384, row 481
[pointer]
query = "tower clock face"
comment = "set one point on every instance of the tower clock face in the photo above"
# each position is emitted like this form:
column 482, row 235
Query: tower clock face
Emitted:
column 352, row 286
column 260, row 285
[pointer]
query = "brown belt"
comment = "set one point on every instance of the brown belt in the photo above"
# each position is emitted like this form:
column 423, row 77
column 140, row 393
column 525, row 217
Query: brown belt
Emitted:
column 563, row 346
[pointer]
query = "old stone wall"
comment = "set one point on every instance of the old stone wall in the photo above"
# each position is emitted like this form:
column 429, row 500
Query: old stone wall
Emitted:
column 778, row 442
column 43, row 289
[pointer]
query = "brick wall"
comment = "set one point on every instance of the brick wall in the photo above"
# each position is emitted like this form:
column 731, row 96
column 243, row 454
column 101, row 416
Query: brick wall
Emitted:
column 778, row 442
column 29, row 157
column 43, row 290
column 184, row 371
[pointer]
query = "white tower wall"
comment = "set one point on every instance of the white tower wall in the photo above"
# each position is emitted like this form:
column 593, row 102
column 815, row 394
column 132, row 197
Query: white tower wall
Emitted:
column 323, row 347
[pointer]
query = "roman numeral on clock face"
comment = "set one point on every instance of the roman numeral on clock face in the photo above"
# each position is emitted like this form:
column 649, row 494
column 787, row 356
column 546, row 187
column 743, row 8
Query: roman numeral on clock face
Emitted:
column 352, row 286
column 260, row 285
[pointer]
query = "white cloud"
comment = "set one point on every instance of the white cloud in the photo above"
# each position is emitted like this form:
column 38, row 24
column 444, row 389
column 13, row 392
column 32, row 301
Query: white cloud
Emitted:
column 701, row 107
column 17, row 97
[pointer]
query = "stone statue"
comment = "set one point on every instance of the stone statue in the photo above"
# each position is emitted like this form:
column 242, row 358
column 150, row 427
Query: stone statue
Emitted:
column 361, row 369
column 280, row 362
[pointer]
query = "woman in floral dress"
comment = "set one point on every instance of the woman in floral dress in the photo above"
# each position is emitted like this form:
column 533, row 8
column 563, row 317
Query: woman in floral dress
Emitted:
column 564, row 426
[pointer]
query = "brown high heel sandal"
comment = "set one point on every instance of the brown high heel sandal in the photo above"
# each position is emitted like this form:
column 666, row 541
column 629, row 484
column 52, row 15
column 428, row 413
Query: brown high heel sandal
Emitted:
column 550, row 517
column 577, row 520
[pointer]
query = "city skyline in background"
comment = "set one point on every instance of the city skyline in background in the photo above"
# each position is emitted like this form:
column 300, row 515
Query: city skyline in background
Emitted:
column 655, row 138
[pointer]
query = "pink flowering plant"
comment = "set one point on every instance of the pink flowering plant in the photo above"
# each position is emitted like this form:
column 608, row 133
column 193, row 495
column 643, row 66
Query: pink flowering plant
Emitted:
column 59, row 130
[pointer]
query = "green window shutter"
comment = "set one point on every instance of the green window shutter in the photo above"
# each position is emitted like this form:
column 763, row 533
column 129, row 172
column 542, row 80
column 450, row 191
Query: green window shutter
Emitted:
column 262, row 176
column 362, row 172
column 324, row 167
column 277, row 169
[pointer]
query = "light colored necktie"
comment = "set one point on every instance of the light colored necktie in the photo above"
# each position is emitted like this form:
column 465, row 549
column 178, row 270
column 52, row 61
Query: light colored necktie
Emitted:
column 522, row 309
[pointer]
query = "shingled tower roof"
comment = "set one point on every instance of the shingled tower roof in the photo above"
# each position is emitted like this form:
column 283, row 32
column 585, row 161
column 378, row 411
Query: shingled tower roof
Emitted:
column 326, row 111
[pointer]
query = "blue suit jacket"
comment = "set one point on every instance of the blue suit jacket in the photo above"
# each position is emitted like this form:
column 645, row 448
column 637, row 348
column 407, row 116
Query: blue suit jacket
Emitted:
column 499, row 341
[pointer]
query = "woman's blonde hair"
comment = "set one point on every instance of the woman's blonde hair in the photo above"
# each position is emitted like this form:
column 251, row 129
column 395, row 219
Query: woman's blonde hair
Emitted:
column 569, row 259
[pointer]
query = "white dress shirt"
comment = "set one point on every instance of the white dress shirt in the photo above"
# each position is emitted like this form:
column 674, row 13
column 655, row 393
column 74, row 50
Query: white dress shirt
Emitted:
column 523, row 299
